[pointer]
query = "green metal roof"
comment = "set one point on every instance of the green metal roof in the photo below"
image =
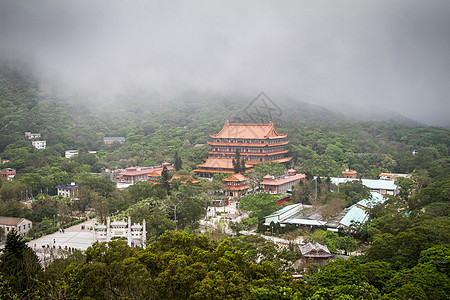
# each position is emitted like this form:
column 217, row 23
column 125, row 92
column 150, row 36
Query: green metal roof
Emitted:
column 376, row 199
column 354, row 214
column 374, row 184
column 283, row 210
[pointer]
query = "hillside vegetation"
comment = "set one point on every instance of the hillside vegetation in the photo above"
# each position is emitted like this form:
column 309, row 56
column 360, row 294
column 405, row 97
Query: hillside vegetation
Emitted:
column 405, row 243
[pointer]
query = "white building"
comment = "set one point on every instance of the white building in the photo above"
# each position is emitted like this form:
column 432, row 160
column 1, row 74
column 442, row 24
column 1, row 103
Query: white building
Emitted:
column 30, row 136
column 39, row 144
column 135, row 234
column 383, row 187
column 70, row 153
column 68, row 191
column 21, row 225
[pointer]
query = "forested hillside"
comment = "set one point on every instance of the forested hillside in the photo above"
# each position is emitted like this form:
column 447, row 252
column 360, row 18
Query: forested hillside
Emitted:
column 405, row 244
column 321, row 142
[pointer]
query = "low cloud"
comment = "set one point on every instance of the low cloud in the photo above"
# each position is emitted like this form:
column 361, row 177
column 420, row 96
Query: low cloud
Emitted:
column 382, row 54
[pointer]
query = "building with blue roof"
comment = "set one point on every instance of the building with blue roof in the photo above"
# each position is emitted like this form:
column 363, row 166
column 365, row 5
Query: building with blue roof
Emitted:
column 369, row 203
column 282, row 214
column 306, row 215
column 354, row 215
column 383, row 187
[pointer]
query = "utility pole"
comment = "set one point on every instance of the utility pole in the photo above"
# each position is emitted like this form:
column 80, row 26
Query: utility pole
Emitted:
column 316, row 188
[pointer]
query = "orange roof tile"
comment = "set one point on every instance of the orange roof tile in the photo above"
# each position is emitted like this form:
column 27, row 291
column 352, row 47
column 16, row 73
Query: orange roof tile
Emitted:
column 236, row 178
column 248, row 131
column 184, row 178
column 219, row 163
column 349, row 172
column 212, row 171
column 155, row 173
column 237, row 188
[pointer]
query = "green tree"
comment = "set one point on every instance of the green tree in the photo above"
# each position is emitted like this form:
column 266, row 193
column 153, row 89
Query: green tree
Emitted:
column 260, row 205
column 178, row 164
column 353, row 192
column 437, row 192
column 346, row 243
column 238, row 163
column 406, row 187
column 262, row 169
column 19, row 266
column 164, row 179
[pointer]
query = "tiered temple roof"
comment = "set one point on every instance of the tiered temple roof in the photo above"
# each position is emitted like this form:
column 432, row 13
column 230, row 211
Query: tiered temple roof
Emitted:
column 256, row 143
column 248, row 131
column 218, row 165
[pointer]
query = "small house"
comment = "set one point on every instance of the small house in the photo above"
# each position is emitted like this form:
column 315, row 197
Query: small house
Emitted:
column 313, row 253
column 21, row 225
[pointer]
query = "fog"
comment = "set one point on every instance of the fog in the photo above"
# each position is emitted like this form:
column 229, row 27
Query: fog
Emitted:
column 374, row 55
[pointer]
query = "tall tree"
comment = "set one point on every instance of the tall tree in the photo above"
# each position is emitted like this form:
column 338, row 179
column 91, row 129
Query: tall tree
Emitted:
column 164, row 179
column 237, row 162
column 178, row 164
column 19, row 265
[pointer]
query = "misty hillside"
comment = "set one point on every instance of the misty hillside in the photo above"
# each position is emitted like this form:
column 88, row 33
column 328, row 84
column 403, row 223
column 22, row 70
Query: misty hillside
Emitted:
column 27, row 107
column 321, row 141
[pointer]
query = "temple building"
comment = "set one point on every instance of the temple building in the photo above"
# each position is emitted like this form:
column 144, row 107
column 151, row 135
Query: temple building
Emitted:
column 256, row 143
column 350, row 174
column 135, row 234
column 216, row 165
column 236, row 185
column 313, row 252
column 133, row 174
column 183, row 179
column 282, row 184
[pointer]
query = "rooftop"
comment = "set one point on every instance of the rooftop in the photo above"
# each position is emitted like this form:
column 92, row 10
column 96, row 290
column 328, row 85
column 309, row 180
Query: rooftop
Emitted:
column 268, row 180
column 134, row 171
column 119, row 223
column 248, row 131
column 67, row 187
column 349, row 172
column 314, row 249
column 369, row 203
column 375, row 184
column 294, row 207
column 10, row 221
column 395, row 175
column 237, row 188
column 354, row 215
column 184, row 178
column 236, row 178
column 219, row 163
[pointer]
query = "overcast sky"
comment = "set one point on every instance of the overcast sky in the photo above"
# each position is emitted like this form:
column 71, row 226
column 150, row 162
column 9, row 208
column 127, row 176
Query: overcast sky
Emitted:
column 378, row 54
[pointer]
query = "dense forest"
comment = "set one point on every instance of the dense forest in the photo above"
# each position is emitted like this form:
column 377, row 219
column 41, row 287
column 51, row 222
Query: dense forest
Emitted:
column 405, row 245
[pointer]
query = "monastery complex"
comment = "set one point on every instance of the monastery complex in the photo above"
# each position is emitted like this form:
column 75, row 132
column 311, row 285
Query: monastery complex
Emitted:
column 256, row 143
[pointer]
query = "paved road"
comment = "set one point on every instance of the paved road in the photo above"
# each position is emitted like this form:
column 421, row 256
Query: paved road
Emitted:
column 73, row 238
